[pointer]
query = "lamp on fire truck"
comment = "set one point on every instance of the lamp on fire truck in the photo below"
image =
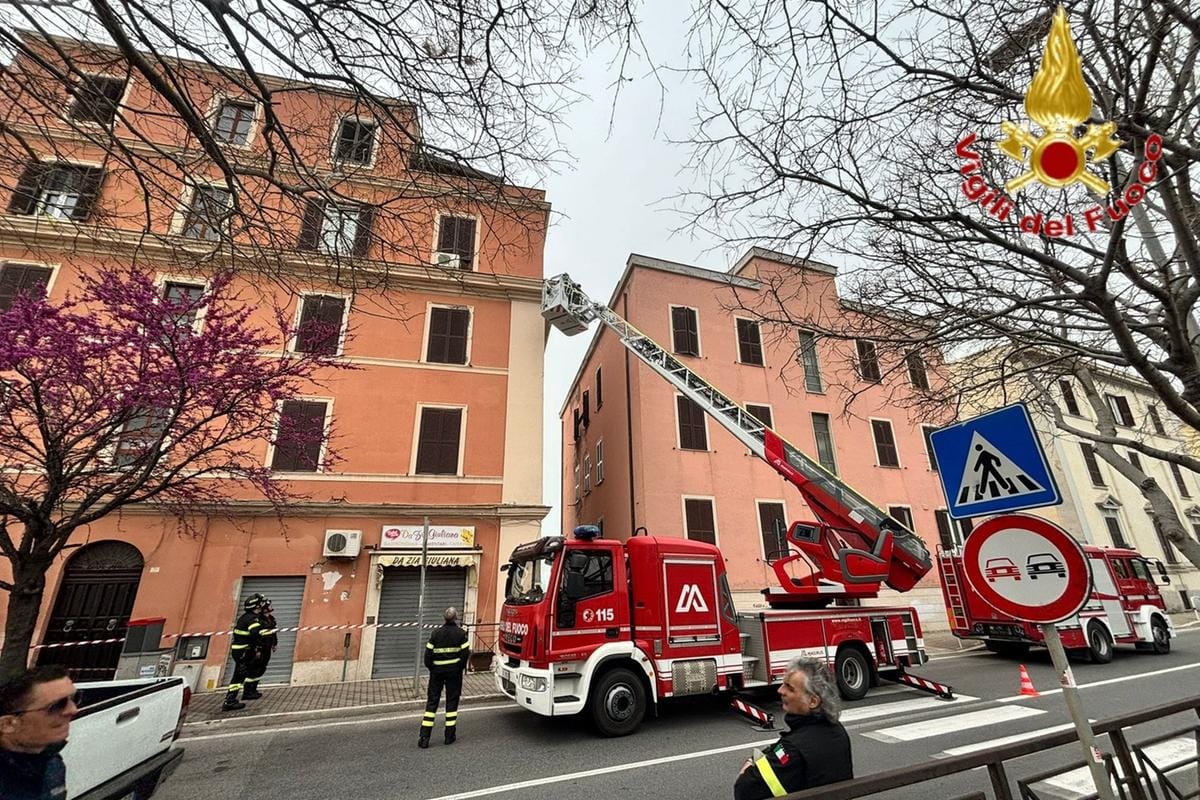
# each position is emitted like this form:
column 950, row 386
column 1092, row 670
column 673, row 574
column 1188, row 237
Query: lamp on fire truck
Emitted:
column 587, row 533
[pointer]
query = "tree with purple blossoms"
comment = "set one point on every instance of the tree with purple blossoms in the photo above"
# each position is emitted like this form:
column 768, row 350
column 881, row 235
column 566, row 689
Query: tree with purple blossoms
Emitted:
column 118, row 396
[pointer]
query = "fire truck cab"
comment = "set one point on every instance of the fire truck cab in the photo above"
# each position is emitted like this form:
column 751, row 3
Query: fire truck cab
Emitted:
column 1125, row 607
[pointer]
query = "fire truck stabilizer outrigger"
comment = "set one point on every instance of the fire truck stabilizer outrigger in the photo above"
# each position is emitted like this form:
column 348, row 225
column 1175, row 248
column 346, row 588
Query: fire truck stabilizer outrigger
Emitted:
column 611, row 628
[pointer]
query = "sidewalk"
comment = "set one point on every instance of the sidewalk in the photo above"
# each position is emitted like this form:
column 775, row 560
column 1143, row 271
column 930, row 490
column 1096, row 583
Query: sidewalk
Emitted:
column 344, row 699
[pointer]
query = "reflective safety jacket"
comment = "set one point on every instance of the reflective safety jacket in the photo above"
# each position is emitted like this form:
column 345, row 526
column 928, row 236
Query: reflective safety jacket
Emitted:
column 447, row 650
column 814, row 752
column 268, row 633
column 247, row 634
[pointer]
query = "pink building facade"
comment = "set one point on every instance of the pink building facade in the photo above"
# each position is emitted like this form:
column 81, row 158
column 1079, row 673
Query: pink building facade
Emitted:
column 636, row 455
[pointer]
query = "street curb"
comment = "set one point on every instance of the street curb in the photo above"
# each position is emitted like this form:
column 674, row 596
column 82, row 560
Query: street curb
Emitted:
column 253, row 721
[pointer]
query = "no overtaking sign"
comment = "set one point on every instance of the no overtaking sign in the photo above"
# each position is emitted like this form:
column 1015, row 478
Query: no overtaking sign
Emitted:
column 1027, row 568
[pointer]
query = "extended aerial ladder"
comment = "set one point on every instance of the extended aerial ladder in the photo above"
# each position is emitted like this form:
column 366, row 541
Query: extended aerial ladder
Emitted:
column 855, row 546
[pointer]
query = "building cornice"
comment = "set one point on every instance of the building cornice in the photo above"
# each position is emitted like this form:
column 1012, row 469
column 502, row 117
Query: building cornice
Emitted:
column 339, row 508
column 41, row 236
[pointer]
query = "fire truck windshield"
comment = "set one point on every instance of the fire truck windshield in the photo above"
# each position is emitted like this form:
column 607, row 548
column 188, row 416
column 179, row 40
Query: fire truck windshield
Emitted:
column 528, row 579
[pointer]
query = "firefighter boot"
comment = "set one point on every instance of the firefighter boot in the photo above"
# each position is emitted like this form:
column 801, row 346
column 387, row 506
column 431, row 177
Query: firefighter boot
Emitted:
column 450, row 736
column 423, row 742
column 231, row 703
column 252, row 692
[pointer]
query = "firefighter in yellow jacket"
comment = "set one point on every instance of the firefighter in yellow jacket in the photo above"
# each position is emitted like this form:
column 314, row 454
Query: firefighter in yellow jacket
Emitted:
column 446, row 655
column 247, row 643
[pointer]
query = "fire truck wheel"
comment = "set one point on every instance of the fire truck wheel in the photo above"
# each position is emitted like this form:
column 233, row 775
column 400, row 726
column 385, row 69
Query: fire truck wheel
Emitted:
column 618, row 703
column 853, row 674
column 1162, row 637
column 1100, row 644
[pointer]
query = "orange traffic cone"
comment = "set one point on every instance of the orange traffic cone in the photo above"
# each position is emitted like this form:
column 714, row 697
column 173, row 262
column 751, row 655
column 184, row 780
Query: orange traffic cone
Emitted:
column 1027, row 689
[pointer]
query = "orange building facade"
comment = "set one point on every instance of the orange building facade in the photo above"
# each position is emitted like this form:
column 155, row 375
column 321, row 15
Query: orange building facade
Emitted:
column 439, row 419
column 636, row 455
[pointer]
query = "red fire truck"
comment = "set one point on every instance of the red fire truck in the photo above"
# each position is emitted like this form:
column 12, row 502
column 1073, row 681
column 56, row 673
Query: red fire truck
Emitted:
column 611, row 628
column 1125, row 607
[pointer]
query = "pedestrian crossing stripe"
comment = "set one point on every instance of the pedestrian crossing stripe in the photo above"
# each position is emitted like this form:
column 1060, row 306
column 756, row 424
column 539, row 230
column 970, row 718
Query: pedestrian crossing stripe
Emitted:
column 990, row 475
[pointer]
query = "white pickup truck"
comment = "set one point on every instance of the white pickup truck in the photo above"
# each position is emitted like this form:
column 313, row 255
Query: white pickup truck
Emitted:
column 122, row 743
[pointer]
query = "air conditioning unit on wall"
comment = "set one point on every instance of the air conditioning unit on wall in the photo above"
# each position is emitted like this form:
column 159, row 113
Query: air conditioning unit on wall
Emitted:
column 448, row 260
column 342, row 544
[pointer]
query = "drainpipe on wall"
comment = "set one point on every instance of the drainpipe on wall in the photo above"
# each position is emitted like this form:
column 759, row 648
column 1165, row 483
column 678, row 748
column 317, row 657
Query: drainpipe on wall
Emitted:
column 187, row 604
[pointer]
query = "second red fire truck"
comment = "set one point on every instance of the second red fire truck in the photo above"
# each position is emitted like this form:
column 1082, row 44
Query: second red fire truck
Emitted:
column 1125, row 607
column 610, row 628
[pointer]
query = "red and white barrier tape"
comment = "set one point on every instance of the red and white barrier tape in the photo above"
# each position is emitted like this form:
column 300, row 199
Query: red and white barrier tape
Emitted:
column 428, row 626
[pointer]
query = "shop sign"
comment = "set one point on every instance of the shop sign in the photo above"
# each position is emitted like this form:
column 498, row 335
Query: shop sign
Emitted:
column 430, row 561
column 409, row 536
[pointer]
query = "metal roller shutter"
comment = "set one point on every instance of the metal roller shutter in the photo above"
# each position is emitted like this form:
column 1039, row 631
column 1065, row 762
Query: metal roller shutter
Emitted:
column 396, row 648
column 287, row 598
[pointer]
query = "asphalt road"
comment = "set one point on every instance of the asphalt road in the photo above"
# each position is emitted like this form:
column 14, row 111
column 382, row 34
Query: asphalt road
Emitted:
column 692, row 750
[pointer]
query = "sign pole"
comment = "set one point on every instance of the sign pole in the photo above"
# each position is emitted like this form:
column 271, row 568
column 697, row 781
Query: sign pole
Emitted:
column 421, row 610
column 1083, row 728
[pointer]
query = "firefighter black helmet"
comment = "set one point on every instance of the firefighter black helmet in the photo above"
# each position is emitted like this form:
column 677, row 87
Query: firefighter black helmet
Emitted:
column 255, row 600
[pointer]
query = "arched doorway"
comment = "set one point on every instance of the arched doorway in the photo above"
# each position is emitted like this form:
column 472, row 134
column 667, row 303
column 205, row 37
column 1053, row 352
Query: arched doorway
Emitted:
column 94, row 601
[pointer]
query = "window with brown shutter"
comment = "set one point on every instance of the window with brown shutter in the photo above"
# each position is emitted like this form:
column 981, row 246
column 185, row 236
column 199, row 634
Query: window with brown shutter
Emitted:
column 60, row 190
column 760, row 413
column 685, row 331
column 885, row 443
column 772, row 527
column 21, row 279
column 1069, row 400
column 1093, row 466
column 1178, row 475
column 599, row 388
column 917, row 374
column 868, row 361
column 320, row 329
column 438, row 441
column 1155, row 420
column 929, row 451
column 1121, row 410
column 456, row 235
column 699, row 520
column 97, row 98
column 448, row 335
column 692, row 434
column 300, row 436
column 749, row 342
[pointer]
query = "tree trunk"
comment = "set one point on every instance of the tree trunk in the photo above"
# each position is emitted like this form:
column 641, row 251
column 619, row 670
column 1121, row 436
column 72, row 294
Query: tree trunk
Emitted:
column 24, row 602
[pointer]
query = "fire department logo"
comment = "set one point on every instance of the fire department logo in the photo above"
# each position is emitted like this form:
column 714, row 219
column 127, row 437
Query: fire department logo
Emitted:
column 1059, row 102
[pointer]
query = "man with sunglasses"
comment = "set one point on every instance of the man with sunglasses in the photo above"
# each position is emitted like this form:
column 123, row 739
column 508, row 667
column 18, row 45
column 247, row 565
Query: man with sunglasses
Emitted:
column 36, row 710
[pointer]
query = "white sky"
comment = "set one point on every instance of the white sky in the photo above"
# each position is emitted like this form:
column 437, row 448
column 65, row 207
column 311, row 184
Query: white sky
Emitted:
column 615, row 202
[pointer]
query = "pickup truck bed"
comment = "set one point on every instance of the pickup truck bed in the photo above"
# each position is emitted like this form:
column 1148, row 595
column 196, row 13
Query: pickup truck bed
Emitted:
column 122, row 742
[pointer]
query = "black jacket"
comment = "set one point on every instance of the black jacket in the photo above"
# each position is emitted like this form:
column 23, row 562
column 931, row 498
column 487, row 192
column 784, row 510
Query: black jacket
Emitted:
column 813, row 752
column 33, row 776
column 447, row 650
column 247, row 635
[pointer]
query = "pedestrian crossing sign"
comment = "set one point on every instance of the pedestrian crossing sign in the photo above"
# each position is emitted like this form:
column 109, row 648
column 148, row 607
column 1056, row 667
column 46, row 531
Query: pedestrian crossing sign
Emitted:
column 993, row 464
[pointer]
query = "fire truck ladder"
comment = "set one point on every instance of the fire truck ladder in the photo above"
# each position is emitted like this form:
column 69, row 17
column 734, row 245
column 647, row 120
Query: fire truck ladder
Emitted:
column 875, row 547
column 955, row 605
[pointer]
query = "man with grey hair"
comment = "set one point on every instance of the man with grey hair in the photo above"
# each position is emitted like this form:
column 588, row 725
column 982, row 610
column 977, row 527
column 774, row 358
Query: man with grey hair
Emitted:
column 446, row 655
column 816, row 748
